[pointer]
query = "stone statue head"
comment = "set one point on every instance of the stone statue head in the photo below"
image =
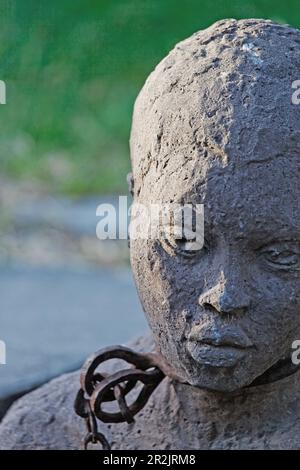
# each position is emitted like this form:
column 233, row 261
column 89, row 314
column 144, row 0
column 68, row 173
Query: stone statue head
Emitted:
column 215, row 125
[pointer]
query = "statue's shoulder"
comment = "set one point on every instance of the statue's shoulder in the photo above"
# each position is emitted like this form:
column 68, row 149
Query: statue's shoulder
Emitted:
column 45, row 418
column 286, row 434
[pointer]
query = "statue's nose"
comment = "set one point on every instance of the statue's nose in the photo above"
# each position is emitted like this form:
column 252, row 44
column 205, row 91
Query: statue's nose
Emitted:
column 225, row 300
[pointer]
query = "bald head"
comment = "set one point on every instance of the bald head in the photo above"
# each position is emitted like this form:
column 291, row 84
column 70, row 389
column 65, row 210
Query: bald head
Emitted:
column 215, row 124
column 222, row 97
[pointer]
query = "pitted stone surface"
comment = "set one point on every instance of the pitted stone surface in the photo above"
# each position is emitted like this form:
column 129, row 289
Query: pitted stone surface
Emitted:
column 214, row 124
column 264, row 417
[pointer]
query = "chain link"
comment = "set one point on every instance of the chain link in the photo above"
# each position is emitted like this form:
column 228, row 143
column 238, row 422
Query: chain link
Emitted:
column 96, row 389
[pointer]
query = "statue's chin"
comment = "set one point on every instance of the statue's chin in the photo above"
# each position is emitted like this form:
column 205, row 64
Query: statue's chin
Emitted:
column 218, row 379
column 211, row 376
column 216, row 385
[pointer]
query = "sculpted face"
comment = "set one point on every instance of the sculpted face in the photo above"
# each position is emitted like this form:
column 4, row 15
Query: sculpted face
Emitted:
column 226, row 314
column 229, row 312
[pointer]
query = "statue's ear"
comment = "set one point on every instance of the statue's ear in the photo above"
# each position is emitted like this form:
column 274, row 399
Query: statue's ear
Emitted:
column 130, row 182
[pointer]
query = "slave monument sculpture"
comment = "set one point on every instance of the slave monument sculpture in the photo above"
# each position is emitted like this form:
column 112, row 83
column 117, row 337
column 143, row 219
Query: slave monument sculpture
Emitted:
column 214, row 124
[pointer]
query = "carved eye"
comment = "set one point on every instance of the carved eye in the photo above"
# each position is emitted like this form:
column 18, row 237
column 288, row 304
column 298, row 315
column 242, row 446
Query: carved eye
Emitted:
column 283, row 256
column 184, row 247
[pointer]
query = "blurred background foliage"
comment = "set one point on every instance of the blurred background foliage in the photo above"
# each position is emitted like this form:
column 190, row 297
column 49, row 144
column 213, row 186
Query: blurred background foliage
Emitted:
column 73, row 69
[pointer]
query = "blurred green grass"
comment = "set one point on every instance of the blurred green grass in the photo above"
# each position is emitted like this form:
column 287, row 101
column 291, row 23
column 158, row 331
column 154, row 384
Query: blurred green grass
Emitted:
column 73, row 69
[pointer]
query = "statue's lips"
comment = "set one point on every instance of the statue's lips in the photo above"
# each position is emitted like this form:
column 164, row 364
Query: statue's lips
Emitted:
column 210, row 347
column 220, row 335
column 215, row 356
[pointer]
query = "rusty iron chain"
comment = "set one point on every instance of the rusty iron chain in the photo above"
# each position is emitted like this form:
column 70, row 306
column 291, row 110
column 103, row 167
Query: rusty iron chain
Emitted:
column 148, row 369
column 83, row 409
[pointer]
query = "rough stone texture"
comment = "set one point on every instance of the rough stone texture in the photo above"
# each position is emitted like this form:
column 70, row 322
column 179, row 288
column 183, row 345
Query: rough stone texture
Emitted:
column 45, row 418
column 214, row 124
column 184, row 417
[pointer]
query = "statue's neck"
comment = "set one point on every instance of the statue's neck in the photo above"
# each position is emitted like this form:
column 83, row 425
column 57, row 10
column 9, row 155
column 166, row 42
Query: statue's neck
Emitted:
column 213, row 416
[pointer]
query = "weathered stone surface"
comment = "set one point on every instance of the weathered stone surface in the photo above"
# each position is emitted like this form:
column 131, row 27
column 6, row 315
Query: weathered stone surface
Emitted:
column 45, row 418
column 184, row 417
column 214, row 124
